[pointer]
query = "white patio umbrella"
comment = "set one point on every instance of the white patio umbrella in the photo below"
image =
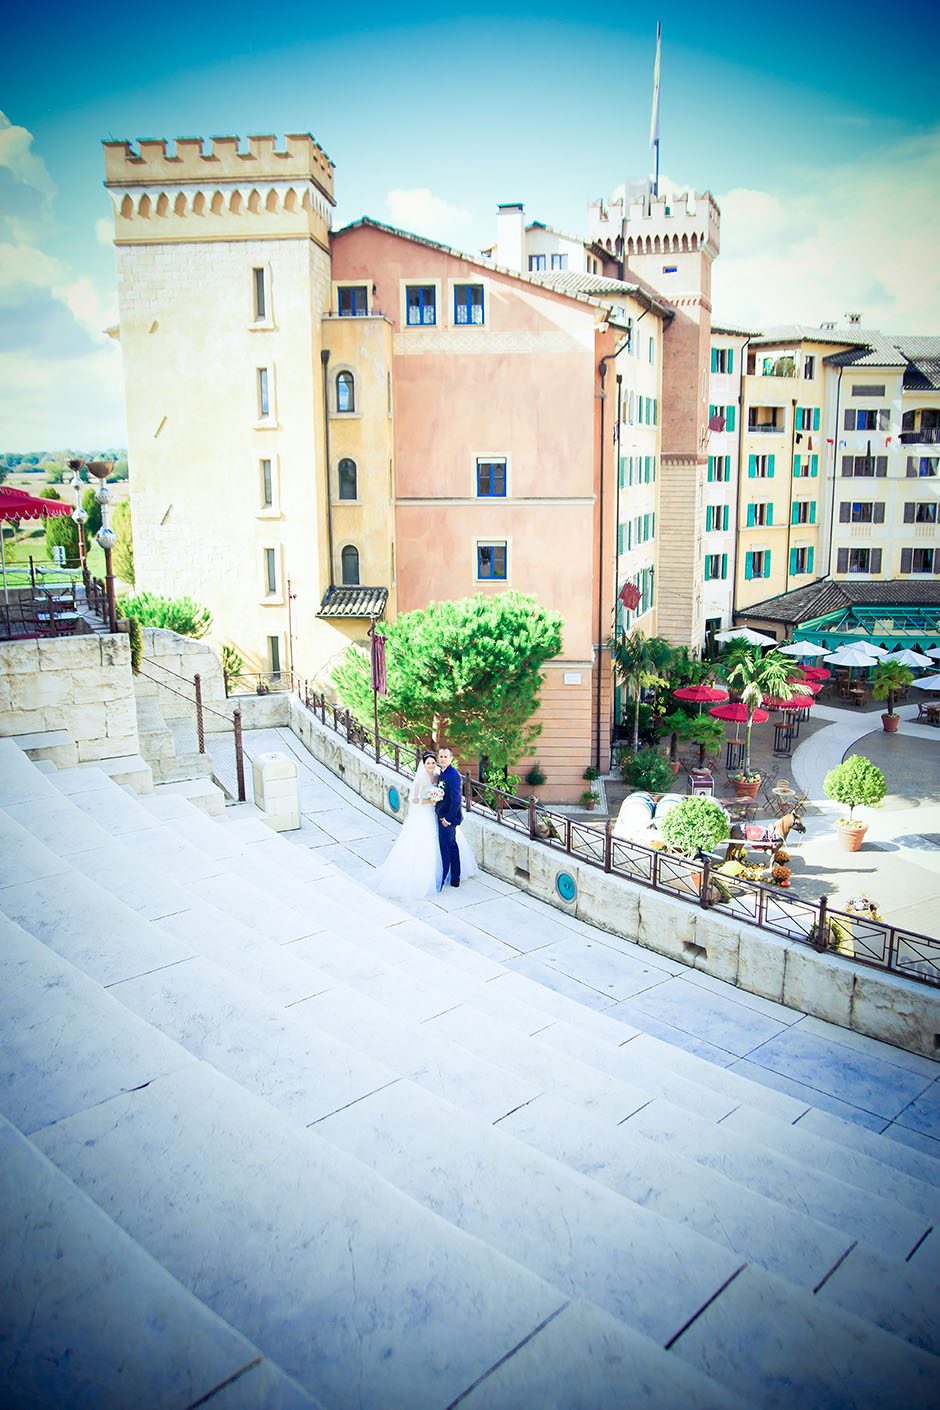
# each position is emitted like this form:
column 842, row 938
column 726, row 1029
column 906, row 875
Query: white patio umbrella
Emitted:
column 880, row 651
column 852, row 656
column 927, row 683
column 933, row 651
column 802, row 648
column 752, row 637
column 909, row 657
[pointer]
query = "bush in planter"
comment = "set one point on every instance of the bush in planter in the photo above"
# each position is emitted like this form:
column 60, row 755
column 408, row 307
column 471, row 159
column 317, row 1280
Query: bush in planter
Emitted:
column 888, row 680
column 708, row 733
column 855, row 783
column 589, row 799
column 697, row 824
column 590, row 773
column 535, row 776
column 646, row 770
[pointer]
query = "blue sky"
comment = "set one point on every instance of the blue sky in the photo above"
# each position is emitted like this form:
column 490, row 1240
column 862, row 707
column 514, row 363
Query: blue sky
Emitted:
column 816, row 128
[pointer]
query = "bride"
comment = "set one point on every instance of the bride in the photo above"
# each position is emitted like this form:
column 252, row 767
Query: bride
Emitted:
column 413, row 867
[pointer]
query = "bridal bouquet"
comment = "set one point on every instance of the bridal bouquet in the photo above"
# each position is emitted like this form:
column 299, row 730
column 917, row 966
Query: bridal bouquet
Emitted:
column 435, row 794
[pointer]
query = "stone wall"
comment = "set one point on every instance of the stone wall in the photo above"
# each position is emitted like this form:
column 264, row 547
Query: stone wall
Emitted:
column 880, row 1005
column 82, row 684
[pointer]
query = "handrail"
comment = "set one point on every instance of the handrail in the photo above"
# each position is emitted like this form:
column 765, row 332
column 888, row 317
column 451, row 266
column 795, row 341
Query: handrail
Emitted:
column 201, row 708
column 873, row 943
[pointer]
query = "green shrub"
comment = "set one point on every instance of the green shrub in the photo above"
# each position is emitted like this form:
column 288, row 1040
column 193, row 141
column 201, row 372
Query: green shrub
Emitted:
column 175, row 614
column 535, row 776
column 856, row 782
column 697, row 824
column 646, row 769
column 137, row 644
column 232, row 661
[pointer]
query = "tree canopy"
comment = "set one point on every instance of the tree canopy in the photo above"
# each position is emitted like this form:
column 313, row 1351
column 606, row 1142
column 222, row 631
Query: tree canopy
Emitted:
column 467, row 672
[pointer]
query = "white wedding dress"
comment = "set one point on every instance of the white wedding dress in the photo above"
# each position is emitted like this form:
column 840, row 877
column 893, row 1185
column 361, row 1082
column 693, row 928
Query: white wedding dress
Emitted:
column 413, row 868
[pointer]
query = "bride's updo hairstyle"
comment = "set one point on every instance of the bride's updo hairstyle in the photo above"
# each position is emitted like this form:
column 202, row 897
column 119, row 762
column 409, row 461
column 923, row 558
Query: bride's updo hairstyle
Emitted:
column 427, row 756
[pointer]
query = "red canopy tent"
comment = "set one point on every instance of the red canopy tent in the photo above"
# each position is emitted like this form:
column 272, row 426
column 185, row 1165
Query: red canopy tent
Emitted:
column 17, row 504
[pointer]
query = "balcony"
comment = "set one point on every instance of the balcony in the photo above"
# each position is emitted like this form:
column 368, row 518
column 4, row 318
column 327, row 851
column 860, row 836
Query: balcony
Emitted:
column 765, row 428
column 925, row 436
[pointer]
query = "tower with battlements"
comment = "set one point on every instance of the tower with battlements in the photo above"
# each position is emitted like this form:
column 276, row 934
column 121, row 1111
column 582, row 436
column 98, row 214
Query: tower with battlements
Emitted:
column 225, row 295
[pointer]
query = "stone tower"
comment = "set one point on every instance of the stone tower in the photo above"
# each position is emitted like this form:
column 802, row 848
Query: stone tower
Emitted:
column 669, row 245
column 223, row 265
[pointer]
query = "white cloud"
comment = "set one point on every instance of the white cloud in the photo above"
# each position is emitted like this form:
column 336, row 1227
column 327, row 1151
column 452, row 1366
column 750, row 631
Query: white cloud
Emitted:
column 420, row 212
column 17, row 155
column 859, row 237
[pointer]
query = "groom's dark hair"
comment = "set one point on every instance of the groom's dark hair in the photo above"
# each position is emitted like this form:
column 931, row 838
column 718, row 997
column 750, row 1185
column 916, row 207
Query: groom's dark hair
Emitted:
column 446, row 746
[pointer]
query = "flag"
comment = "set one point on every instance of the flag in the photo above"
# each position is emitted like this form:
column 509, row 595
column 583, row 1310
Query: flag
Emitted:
column 630, row 596
column 717, row 422
column 377, row 661
column 654, row 116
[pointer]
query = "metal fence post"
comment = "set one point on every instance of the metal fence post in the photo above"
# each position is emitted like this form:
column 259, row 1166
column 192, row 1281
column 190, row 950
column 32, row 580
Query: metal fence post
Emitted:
column 348, row 726
column 608, row 844
column 239, row 755
column 466, row 789
column 532, row 833
column 200, row 733
column 225, row 681
column 822, row 925
column 705, row 883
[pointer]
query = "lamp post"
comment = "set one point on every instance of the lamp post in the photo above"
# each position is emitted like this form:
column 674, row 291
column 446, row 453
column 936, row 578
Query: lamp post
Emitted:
column 80, row 517
column 106, row 537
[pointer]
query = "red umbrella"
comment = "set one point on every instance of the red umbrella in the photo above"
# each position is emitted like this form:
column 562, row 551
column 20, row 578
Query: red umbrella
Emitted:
column 794, row 702
column 816, row 673
column 814, row 687
column 17, row 504
column 701, row 694
column 737, row 713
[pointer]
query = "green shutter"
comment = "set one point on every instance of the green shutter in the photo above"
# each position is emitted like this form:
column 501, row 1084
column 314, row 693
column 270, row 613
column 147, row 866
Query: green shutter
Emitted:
column 620, row 538
column 655, row 411
column 724, row 565
column 748, row 565
column 793, row 553
column 797, row 462
column 752, row 467
column 654, row 469
column 712, row 411
column 770, row 514
column 767, row 563
column 623, row 461
column 812, row 511
column 730, row 370
column 795, row 514
column 814, row 463
column 653, row 523
column 708, row 519
column 729, row 424
column 711, row 467
column 770, row 472
column 727, row 512
column 809, row 560
column 750, row 516
column 629, row 535
column 815, row 418
column 714, row 359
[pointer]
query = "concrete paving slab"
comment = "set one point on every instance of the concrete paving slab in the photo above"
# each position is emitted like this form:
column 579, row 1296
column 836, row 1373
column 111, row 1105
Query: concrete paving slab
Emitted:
column 351, row 1287
column 535, row 968
column 851, row 1136
column 516, row 924
column 602, row 967
column 89, row 1316
column 729, row 1083
column 809, row 1096
column 706, row 1014
column 667, row 1033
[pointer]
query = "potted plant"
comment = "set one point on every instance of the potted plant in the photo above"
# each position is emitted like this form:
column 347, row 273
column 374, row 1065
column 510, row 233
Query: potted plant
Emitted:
column 696, row 825
column 780, row 874
column 756, row 675
column 675, row 726
column 856, row 782
column 708, row 733
column 646, row 770
column 888, row 680
column 590, row 773
column 589, row 799
column 535, row 776
column 745, row 783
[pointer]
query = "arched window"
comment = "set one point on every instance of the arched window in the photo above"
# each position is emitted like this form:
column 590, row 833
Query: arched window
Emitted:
column 350, row 560
column 348, row 480
column 345, row 392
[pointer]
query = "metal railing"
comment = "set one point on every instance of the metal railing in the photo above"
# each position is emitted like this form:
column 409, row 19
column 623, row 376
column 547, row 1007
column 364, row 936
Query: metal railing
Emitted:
column 262, row 683
column 699, row 882
column 229, row 772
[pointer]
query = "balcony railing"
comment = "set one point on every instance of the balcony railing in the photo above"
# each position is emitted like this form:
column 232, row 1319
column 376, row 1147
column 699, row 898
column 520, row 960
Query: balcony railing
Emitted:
column 926, row 436
column 767, row 428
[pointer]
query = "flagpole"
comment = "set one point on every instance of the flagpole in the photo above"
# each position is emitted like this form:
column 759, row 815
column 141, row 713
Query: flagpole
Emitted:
column 654, row 114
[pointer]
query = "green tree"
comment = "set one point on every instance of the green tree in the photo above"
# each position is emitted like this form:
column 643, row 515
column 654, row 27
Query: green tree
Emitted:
column 468, row 672
column 856, row 782
column 176, row 614
column 123, row 553
column 61, row 531
column 697, row 824
column 756, row 676
column 640, row 661
column 890, row 678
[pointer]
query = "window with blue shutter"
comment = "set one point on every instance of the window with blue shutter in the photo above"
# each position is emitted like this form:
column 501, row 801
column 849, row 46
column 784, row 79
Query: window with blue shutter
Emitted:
column 730, row 370
column 770, row 468
column 729, row 423
column 795, row 515
column 748, row 565
column 714, row 359
column 812, row 511
column 809, row 560
column 770, row 514
column 751, row 516
column 708, row 519
column 724, row 565
column 711, row 467
column 814, row 462
column 752, row 467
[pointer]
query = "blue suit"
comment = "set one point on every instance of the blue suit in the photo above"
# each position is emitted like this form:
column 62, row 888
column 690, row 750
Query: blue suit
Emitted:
column 449, row 810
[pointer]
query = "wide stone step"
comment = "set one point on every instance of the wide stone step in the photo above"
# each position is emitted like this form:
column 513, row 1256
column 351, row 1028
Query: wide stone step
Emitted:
column 91, row 1319
column 364, row 1296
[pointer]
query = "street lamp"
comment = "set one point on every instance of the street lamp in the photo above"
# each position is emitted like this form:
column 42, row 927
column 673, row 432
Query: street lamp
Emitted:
column 80, row 517
column 106, row 537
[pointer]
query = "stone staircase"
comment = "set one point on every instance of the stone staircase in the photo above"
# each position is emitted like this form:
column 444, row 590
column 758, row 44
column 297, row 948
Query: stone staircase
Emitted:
column 269, row 1141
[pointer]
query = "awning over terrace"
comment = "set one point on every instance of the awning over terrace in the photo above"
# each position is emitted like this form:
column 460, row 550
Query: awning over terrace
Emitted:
column 891, row 615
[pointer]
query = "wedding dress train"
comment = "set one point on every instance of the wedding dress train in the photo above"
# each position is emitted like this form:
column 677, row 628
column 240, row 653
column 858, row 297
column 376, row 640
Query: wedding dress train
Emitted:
column 412, row 868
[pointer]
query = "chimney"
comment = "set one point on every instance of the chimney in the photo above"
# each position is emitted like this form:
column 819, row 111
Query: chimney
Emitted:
column 510, row 236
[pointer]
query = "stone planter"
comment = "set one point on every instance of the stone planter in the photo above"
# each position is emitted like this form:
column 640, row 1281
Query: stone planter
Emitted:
column 851, row 835
column 890, row 723
column 745, row 788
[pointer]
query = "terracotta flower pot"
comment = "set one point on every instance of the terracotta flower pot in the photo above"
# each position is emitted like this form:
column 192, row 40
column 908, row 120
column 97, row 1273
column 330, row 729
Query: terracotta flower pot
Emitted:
column 890, row 723
column 851, row 835
column 746, row 788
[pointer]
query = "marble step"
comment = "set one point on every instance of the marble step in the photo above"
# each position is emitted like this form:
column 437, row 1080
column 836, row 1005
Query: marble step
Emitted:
column 462, row 1173
column 54, row 746
column 156, row 741
column 367, row 1297
column 20, row 780
column 127, row 770
column 200, row 793
column 843, row 1133
column 89, row 1315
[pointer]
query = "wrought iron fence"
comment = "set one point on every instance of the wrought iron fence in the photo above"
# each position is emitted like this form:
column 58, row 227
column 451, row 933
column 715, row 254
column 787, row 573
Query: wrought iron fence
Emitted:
column 228, row 763
column 698, row 882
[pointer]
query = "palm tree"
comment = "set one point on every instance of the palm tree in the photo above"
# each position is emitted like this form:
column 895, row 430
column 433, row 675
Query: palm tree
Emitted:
column 757, row 675
column 890, row 679
column 640, row 662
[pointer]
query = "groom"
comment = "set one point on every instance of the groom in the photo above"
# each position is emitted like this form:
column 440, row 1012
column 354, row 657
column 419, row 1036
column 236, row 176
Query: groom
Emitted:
column 449, row 816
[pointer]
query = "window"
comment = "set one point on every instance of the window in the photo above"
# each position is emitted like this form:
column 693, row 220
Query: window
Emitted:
column 257, row 280
column 721, row 418
column 716, row 566
column 757, row 564
column 861, row 511
column 536, row 262
column 801, row 561
column 353, row 301
column 864, row 466
column 652, row 349
column 349, row 559
column 274, row 654
column 917, row 560
column 345, row 392
column 759, row 515
column 719, row 467
column 804, row 466
column 858, row 560
column 920, row 513
column 722, row 359
column 670, row 269
column 348, row 478
column 491, row 560
column 559, row 261
column 868, row 389
column 922, row 466
column 807, row 418
column 264, row 401
column 760, row 467
column 716, row 517
column 803, row 512
column 267, row 485
column 868, row 420
column 270, row 571
column 809, row 368
column 468, row 303
column 421, row 304
column 491, row 478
